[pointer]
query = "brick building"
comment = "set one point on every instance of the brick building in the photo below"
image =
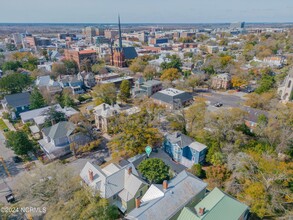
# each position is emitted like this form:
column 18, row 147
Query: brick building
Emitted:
column 221, row 81
column 78, row 56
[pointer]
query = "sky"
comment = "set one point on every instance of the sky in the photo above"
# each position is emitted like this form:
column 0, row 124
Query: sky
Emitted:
column 145, row 11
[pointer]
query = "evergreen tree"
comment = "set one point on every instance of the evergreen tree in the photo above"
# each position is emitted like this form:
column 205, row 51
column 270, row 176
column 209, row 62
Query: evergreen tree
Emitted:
column 37, row 100
column 19, row 142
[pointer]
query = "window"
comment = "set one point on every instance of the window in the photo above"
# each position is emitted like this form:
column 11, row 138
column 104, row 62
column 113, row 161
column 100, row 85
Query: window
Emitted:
column 289, row 84
column 140, row 193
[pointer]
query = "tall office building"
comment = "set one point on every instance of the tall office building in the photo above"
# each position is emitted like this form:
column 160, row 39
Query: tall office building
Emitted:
column 237, row 25
column 89, row 33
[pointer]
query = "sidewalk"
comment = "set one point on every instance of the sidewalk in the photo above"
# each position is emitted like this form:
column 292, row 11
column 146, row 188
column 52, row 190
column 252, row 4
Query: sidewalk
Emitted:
column 9, row 125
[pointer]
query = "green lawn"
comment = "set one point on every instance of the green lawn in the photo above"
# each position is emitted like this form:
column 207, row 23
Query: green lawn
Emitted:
column 3, row 125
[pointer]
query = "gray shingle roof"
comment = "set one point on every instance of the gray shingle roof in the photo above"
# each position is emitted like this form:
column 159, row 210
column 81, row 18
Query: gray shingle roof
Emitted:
column 109, row 184
column 18, row 100
column 171, row 98
column 158, row 204
column 181, row 139
column 61, row 129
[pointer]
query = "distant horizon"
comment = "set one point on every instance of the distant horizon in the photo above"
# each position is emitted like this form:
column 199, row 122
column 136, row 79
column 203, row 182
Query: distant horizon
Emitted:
column 258, row 22
column 150, row 11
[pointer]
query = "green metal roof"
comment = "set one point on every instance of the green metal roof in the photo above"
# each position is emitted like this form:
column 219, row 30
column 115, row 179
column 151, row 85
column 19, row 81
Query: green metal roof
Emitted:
column 218, row 205
column 187, row 214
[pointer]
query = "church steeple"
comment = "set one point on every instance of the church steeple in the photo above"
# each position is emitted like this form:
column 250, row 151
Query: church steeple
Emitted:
column 120, row 34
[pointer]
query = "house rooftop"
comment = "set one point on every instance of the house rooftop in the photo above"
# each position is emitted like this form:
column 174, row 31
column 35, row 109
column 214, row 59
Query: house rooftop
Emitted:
column 172, row 92
column 61, row 129
column 29, row 115
column 181, row 190
column 106, row 110
column 151, row 83
column 118, row 79
column 39, row 115
column 218, row 205
column 18, row 100
column 197, row 146
column 171, row 95
column 178, row 138
column 112, row 179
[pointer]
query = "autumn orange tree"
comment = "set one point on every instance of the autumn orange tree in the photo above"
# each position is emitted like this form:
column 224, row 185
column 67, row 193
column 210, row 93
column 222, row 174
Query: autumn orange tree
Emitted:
column 238, row 81
column 225, row 60
column 170, row 75
column 134, row 134
column 217, row 175
column 263, row 182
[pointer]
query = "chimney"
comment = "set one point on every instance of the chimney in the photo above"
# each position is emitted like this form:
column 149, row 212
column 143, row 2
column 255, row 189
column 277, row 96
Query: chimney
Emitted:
column 201, row 211
column 165, row 184
column 129, row 170
column 137, row 202
column 104, row 106
column 91, row 175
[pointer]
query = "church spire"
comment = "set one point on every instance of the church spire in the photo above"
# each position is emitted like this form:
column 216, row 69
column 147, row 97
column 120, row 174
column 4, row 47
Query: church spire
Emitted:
column 120, row 34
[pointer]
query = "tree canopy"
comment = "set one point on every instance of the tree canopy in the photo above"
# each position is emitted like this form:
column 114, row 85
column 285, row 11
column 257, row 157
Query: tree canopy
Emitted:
column 175, row 62
column 11, row 65
column 125, row 90
column 15, row 83
column 59, row 69
column 37, row 100
column 266, row 83
column 53, row 117
column 106, row 93
column 19, row 142
column 70, row 66
column 154, row 170
column 170, row 74
column 133, row 133
column 149, row 72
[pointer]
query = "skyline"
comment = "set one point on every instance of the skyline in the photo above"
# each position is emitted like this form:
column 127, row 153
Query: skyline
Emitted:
column 186, row 11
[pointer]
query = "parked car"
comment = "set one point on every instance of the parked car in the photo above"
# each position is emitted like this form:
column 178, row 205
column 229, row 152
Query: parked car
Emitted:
column 218, row 104
column 250, row 90
column 10, row 198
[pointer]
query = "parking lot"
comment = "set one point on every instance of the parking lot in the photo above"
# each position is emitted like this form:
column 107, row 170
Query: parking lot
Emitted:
column 228, row 100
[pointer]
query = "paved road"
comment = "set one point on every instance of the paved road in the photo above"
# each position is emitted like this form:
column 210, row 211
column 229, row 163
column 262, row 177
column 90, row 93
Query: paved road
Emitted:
column 227, row 99
column 15, row 170
column 7, row 155
column 231, row 100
